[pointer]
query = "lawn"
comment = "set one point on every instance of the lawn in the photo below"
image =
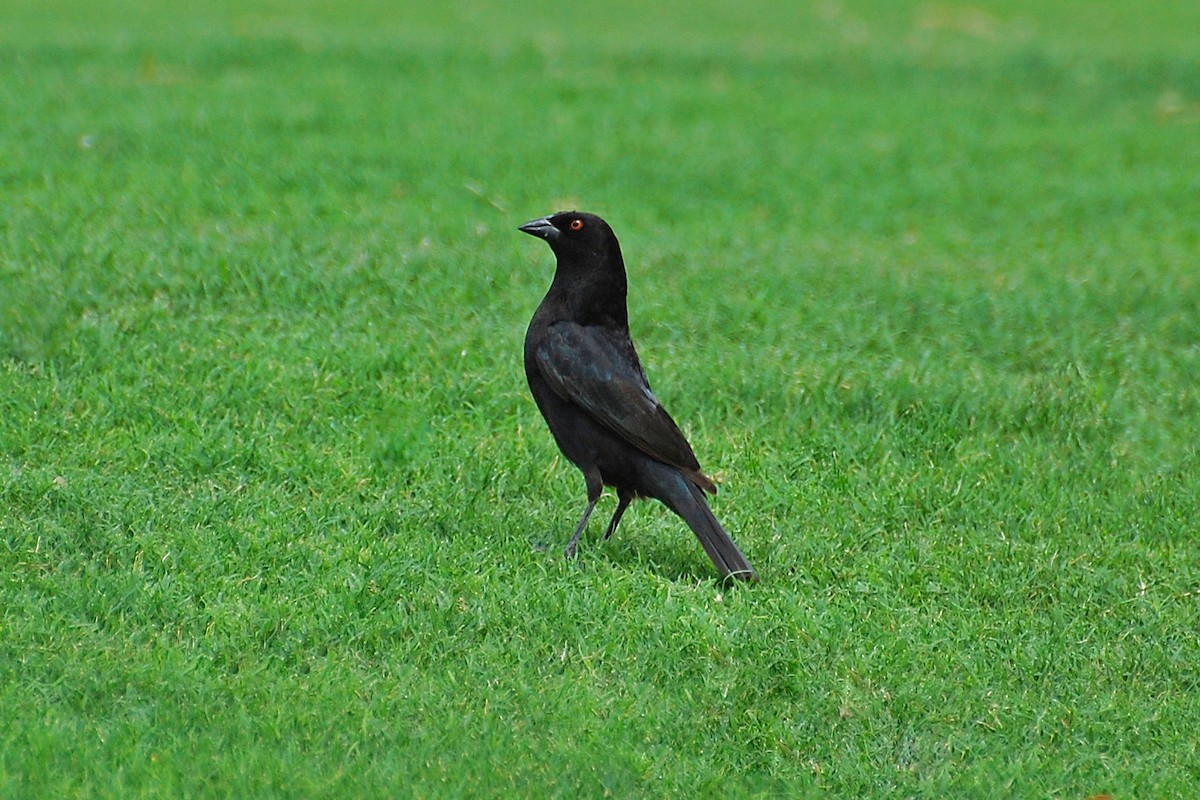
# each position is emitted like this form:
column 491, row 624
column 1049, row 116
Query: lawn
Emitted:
column 280, row 519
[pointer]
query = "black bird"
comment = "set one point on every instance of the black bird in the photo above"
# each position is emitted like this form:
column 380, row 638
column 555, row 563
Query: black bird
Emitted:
column 589, row 384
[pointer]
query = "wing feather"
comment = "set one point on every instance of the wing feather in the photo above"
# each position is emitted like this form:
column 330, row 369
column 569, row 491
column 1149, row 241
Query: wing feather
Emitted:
column 598, row 370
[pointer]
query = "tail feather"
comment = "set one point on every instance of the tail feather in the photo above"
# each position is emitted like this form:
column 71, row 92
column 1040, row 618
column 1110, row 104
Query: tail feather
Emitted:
column 693, row 507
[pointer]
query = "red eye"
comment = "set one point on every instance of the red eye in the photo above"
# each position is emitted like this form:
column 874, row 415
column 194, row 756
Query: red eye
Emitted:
column 576, row 224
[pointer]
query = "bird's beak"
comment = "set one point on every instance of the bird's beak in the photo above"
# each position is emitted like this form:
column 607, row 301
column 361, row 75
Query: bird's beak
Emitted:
column 542, row 228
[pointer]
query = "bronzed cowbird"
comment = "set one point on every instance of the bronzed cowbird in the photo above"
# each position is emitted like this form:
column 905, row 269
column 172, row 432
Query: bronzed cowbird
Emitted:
column 589, row 384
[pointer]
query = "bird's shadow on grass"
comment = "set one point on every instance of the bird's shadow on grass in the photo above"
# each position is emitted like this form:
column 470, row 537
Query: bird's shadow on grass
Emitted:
column 668, row 558
column 638, row 544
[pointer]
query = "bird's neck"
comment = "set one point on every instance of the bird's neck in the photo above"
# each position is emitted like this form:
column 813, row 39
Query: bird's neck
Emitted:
column 591, row 296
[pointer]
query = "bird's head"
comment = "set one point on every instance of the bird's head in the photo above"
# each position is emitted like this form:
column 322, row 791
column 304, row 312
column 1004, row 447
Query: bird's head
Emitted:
column 575, row 235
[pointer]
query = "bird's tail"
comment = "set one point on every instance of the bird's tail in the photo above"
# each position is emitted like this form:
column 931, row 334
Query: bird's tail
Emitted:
column 693, row 507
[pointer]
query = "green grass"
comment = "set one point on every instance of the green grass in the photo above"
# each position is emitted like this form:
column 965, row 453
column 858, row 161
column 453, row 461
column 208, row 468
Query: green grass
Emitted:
column 280, row 519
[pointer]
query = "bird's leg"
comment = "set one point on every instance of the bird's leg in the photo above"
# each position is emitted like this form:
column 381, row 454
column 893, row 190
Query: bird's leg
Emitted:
column 571, row 545
column 623, row 501
column 594, row 487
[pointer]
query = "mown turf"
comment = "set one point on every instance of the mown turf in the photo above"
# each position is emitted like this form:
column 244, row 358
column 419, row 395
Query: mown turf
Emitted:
column 279, row 518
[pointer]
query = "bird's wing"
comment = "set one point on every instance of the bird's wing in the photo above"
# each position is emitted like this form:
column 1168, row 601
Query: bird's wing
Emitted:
column 598, row 370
